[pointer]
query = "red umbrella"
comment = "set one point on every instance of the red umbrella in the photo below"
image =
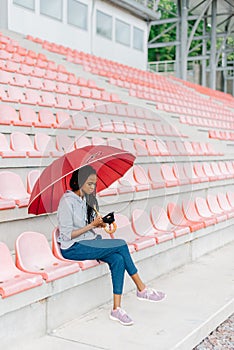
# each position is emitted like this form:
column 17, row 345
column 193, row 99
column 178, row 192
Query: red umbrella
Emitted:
column 110, row 163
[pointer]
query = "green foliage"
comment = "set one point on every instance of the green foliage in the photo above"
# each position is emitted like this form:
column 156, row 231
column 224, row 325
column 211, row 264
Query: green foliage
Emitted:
column 168, row 9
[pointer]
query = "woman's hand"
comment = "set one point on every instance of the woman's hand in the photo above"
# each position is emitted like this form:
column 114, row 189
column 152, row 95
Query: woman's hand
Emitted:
column 98, row 222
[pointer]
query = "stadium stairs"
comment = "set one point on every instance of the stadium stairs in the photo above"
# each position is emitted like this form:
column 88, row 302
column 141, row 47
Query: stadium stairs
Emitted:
column 175, row 206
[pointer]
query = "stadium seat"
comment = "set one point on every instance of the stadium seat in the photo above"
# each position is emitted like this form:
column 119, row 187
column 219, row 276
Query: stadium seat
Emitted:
column 208, row 171
column 155, row 176
column 204, row 211
column 63, row 120
column 161, row 146
column 82, row 141
column 106, row 124
column 177, row 218
column 12, row 187
column 62, row 101
column 33, row 255
column 189, row 172
column 75, row 104
column 6, row 151
column 152, row 147
column 168, row 176
column 224, row 204
column 162, row 223
column 48, row 85
column 47, row 118
column 46, row 145
column 32, row 177
column 31, row 97
column 21, row 142
column 64, row 143
column 47, row 100
column 79, row 122
column 34, row 83
column 119, row 126
column 8, row 115
column 141, row 177
column 128, row 145
column 143, row 227
column 27, row 117
column 222, row 168
column 140, row 146
column 178, row 170
column 84, row 265
column 198, row 169
column 126, row 232
column 130, row 127
column 13, row 280
column 215, row 208
column 114, row 142
column 190, row 213
column 230, row 198
column 129, row 184
column 93, row 122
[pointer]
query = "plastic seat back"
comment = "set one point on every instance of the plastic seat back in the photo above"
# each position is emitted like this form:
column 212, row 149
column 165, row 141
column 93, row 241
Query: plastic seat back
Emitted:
column 12, row 279
column 12, row 187
column 8, row 114
column 33, row 254
column 142, row 224
column 31, row 179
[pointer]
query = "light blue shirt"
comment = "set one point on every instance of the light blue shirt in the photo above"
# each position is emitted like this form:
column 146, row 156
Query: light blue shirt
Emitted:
column 72, row 215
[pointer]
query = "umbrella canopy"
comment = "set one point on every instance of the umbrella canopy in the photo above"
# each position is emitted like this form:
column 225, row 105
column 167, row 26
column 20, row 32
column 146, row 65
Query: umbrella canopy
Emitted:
column 109, row 162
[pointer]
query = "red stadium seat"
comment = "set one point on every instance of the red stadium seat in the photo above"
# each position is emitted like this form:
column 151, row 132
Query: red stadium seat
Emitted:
column 12, row 187
column 198, row 169
column 215, row 208
column 224, row 204
column 45, row 144
column 162, row 223
column 27, row 117
column 209, row 172
column 84, row 265
column 155, row 176
column 64, row 143
column 33, row 255
column 7, row 152
column 82, row 141
column 63, row 120
column 140, row 146
column 31, row 179
column 8, row 115
column 47, row 118
column 141, row 177
column 168, row 176
column 21, row 142
column 126, row 232
column 177, row 218
column 204, row 211
column 191, row 214
column 13, row 280
column 178, row 170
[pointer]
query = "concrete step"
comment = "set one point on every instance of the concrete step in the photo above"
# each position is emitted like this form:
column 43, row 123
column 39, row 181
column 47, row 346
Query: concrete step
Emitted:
column 200, row 296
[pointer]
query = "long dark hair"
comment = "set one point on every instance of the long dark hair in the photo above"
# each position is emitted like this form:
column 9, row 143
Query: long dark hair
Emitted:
column 77, row 180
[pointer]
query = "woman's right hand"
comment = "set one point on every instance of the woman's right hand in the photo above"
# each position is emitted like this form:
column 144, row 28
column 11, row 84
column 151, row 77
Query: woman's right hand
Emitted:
column 97, row 221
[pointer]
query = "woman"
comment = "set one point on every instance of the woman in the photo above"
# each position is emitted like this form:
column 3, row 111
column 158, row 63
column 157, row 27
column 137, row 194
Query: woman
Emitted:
column 77, row 220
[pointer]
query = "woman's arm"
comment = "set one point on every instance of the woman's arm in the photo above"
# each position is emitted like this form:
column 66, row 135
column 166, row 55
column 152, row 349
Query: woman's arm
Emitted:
column 95, row 223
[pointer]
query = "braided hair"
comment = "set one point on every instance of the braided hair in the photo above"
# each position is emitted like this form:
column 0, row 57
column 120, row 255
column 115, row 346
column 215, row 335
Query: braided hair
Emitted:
column 77, row 180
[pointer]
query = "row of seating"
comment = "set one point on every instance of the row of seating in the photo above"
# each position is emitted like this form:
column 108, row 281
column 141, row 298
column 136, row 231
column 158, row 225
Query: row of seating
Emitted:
column 56, row 100
column 71, row 85
column 45, row 118
column 20, row 145
column 140, row 178
column 35, row 262
column 205, row 122
column 221, row 135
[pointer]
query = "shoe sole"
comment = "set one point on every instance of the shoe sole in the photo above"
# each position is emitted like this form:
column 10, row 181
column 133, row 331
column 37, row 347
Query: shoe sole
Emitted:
column 124, row 324
column 152, row 301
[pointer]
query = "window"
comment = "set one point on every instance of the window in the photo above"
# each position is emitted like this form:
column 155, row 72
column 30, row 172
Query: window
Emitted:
column 52, row 8
column 29, row 4
column 138, row 39
column 77, row 14
column 122, row 32
column 104, row 25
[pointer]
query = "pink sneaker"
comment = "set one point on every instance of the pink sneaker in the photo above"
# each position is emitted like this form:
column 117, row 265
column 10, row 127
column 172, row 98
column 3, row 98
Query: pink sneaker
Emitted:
column 121, row 316
column 150, row 294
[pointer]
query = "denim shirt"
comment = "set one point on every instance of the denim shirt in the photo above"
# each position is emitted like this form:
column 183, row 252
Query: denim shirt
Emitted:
column 72, row 215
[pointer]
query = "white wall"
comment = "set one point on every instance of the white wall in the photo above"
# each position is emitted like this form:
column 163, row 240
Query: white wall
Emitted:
column 30, row 22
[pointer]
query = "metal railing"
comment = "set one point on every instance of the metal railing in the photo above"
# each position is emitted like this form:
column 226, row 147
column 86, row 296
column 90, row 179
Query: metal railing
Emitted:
column 166, row 66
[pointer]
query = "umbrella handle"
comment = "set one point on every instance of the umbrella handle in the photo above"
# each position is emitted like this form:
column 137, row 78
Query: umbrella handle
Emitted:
column 109, row 228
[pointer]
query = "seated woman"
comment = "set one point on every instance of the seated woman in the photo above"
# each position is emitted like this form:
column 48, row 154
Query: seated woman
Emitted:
column 77, row 220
